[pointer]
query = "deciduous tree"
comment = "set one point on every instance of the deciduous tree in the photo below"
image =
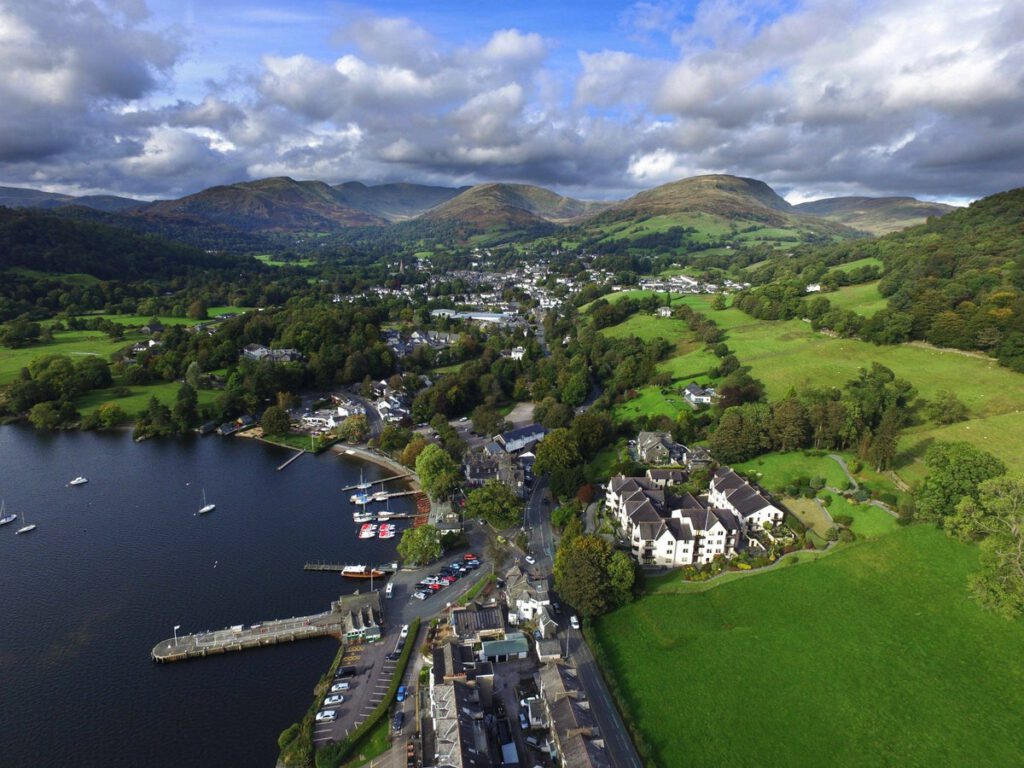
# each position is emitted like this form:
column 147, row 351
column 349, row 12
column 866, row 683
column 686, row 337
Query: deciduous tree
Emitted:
column 496, row 504
column 420, row 545
column 955, row 470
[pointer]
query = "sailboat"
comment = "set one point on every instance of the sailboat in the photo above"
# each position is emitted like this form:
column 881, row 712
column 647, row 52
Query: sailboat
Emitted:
column 27, row 527
column 206, row 507
column 5, row 519
column 363, row 485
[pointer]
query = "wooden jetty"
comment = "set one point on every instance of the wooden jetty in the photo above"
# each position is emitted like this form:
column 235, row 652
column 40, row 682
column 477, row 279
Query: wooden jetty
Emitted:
column 290, row 460
column 338, row 567
column 382, row 480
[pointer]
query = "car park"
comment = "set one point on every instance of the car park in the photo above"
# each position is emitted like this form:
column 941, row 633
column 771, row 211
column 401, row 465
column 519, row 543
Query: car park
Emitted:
column 402, row 690
column 398, row 722
column 574, row 622
column 344, row 685
column 326, row 716
column 335, row 699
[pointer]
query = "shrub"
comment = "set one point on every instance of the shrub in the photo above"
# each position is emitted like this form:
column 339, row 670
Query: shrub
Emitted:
column 826, row 499
column 792, row 490
column 888, row 497
column 862, row 494
column 817, row 483
column 856, row 466
column 845, row 520
column 288, row 735
column 807, row 493
column 846, row 535
column 833, row 534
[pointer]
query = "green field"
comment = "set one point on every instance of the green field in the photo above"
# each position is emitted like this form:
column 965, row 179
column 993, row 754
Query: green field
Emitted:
column 270, row 261
column 138, row 398
column 72, row 343
column 139, row 320
column 649, row 327
column 869, row 261
column 650, row 401
column 868, row 520
column 785, row 354
column 809, row 513
column 71, row 278
column 870, row 655
column 864, row 299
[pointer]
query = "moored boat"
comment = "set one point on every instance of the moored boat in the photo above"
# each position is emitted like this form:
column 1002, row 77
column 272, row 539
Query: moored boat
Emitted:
column 361, row 572
column 362, row 517
column 387, row 531
column 80, row 480
column 368, row 531
column 5, row 519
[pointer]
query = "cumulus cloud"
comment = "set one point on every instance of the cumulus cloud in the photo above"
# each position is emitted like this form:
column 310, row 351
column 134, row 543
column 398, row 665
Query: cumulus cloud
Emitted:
column 847, row 96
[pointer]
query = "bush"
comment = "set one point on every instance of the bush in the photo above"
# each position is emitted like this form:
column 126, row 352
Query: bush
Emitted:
column 826, row 499
column 807, row 493
column 833, row 534
column 844, row 520
column 888, row 497
column 862, row 494
column 288, row 735
column 792, row 490
column 817, row 483
column 846, row 535
column 856, row 466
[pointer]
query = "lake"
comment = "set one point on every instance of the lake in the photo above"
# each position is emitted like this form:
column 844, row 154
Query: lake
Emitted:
column 115, row 564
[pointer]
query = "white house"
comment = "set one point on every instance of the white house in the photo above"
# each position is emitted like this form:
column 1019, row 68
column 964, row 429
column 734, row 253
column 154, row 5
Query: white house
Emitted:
column 695, row 394
column 669, row 530
column 517, row 439
column 732, row 492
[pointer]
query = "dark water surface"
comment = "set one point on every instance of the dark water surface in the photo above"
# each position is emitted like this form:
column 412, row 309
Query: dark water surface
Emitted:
column 116, row 563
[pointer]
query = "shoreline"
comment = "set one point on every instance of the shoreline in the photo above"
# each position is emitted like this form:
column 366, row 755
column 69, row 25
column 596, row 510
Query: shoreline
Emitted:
column 379, row 459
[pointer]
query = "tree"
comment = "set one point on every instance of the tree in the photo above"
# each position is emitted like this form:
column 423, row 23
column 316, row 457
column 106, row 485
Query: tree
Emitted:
column 996, row 518
column 412, row 451
column 947, row 408
column 955, row 470
column 560, row 516
column 420, row 545
column 354, row 429
column 621, row 575
column 438, row 472
column 275, row 421
column 575, row 390
column 44, row 415
column 186, row 408
column 197, row 310
column 581, row 574
column 192, row 374
column 110, row 415
column 592, row 430
column 790, row 428
column 556, row 451
column 496, row 504
column 394, row 438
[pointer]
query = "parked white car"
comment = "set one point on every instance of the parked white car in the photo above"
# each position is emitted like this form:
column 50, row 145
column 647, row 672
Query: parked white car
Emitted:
column 574, row 622
column 405, row 631
column 334, row 699
column 327, row 716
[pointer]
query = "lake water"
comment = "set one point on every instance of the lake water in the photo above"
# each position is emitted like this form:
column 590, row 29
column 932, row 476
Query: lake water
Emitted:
column 116, row 563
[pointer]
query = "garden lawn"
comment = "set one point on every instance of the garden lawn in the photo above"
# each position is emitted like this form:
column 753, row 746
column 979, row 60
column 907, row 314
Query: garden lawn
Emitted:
column 600, row 467
column 809, row 513
column 872, row 655
column 868, row 520
column 71, row 343
column 774, row 471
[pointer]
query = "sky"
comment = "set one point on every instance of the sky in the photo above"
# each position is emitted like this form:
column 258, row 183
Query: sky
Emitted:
column 162, row 98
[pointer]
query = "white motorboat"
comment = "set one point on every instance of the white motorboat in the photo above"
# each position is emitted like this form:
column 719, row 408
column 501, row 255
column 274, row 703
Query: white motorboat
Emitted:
column 206, row 507
column 362, row 517
column 80, row 480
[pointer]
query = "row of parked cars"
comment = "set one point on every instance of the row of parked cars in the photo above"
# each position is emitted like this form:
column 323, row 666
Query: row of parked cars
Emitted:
column 447, row 575
column 336, row 694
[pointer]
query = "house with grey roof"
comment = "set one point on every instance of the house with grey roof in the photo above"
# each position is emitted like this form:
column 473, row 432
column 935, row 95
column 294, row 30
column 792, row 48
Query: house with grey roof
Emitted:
column 670, row 530
column 577, row 740
column 730, row 491
column 515, row 440
column 695, row 394
column 658, row 448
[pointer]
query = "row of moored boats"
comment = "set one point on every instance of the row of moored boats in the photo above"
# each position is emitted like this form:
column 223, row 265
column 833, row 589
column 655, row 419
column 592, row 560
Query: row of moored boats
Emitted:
column 26, row 526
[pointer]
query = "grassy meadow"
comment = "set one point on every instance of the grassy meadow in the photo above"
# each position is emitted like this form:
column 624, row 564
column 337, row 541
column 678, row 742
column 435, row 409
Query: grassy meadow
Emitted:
column 872, row 654
column 71, row 343
column 864, row 299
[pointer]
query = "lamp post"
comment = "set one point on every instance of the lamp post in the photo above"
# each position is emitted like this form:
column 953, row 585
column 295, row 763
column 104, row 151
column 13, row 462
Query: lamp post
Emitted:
column 176, row 628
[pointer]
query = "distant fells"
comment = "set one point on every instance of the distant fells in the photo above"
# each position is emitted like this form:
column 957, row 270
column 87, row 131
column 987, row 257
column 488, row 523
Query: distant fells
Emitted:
column 282, row 205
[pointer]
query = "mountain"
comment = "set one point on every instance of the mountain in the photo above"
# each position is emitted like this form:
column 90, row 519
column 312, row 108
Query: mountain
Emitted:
column 278, row 204
column 877, row 215
column 703, row 213
column 394, row 202
column 508, row 208
column 18, row 197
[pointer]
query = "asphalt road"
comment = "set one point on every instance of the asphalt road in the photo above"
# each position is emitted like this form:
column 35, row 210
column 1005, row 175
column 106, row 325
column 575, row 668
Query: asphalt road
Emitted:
column 620, row 748
column 373, row 419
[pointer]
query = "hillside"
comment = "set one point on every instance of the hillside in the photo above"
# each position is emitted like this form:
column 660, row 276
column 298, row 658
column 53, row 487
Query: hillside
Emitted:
column 704, row 213
column 877, row 215
column 19, row 197
column 278, row 204
column 394, row 202
column 508, row 208
column 46, row 243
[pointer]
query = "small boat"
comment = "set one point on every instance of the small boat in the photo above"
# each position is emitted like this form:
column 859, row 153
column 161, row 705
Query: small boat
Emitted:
column 27, row 527
column 362, row 517
column 379, row 496
column 362, row 485
column 368, row 531
column 80, row 480
column 5, row 519
column 387, row 531
column 361, row 572
column 206, row 507
column 362, row 498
